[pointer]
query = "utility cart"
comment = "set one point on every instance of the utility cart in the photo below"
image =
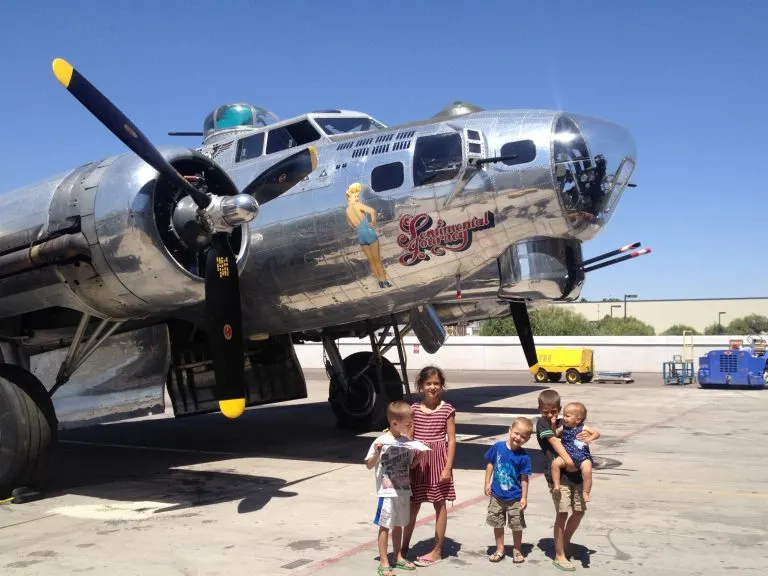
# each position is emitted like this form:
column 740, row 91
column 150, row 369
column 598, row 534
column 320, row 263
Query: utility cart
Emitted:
column 623, row 377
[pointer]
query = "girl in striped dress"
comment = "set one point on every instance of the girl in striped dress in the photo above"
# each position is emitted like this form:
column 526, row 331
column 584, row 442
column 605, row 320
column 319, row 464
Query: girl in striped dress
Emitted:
column 434, row 424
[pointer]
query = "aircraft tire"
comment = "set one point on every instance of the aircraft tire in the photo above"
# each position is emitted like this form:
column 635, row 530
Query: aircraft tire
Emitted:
column 28, row 430
column 366, row 409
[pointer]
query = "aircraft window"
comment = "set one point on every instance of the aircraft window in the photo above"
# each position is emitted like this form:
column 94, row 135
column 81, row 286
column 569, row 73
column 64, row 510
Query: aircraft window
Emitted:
column 525, row 150
column 332, row 126
column 387, row 177
column 292, row 135
column 437, row 158
column 250, row 147
column 231, row 116
column 208, row 124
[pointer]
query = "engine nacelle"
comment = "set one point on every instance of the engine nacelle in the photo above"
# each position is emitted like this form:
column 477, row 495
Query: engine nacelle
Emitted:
column 141, row 265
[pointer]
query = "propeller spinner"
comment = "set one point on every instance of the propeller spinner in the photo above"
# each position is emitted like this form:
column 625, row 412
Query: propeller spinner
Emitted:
column 213, row 221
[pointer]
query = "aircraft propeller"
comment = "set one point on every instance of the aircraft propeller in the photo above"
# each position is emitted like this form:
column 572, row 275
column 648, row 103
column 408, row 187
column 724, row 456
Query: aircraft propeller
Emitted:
column 218, row 216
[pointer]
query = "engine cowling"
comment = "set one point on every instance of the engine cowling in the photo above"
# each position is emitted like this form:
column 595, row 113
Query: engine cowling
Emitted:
column 142, row 265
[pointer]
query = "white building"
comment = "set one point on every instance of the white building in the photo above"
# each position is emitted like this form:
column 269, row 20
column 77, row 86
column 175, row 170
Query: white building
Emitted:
column 661, row 314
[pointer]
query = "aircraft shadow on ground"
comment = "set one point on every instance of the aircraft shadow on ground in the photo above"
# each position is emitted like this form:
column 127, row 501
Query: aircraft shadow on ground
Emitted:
column 90, row 461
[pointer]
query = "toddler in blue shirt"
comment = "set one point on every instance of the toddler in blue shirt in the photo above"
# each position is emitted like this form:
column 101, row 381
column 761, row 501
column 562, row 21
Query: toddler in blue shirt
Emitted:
column 506, row 482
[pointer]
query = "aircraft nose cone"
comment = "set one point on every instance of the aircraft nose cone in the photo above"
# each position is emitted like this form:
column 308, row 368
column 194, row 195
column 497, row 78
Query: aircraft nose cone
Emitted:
column 593, row 162
column 239, row 209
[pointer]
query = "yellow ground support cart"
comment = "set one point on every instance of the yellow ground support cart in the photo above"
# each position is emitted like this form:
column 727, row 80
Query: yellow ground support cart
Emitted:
column 576, row 363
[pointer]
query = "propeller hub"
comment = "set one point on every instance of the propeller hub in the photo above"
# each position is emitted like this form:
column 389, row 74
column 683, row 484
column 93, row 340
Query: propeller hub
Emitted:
column 239, row 209
column 186, row 225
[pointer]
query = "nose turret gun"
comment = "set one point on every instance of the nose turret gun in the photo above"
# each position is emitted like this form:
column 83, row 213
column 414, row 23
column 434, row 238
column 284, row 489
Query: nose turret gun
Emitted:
column 601, row 260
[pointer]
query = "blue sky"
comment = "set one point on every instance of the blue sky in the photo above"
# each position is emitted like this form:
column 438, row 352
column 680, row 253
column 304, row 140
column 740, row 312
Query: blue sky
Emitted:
column 688, row 79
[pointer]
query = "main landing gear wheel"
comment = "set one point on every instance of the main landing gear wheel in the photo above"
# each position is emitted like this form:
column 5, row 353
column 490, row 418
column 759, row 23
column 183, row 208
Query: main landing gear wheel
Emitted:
column 364, row 407
column 28, row 431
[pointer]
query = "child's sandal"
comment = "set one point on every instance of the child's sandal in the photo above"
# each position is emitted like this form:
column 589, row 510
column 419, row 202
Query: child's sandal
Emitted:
column 517, row 557
column 496, row 556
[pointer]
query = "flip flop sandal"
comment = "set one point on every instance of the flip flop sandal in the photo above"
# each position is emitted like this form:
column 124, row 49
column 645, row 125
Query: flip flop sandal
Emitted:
column 405, row 565
column 496, row 556
column 382, row 571
column 564, row 566
column 422, row 562
column 517, row 557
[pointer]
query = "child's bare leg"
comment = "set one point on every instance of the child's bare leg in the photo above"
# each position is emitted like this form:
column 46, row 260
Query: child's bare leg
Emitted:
column 586, row 473
column 517, row 543
column 408, row 531
column 498, row 535
column 383, row 544
column 557, row 464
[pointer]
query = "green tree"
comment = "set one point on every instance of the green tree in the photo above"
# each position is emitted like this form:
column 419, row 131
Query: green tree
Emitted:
column 547, row 321
column 678, row 329
column 630, row 326
column 715, row 329
column 750, row 324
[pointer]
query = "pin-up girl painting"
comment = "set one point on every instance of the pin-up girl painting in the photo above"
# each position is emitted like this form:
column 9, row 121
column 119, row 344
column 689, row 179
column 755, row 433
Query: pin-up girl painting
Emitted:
column 362, row 219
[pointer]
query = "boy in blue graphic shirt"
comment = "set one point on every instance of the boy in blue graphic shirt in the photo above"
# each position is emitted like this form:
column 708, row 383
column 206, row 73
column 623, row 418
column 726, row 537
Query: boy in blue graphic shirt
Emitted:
column 506, row 482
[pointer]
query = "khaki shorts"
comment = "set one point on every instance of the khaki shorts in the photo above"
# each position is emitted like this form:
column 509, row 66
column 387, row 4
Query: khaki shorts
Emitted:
column 570, row 498
column 499, row 511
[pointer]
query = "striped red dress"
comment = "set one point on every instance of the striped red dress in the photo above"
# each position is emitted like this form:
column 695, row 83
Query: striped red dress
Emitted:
column 432, row 429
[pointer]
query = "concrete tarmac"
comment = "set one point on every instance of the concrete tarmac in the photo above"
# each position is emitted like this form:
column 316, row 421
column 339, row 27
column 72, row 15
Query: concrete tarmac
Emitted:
column 681, row 489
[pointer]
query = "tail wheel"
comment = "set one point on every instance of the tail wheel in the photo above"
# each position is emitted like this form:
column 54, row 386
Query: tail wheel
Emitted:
column 28, row 430
column 572, row 376
column 364, row 407
column 541, row 376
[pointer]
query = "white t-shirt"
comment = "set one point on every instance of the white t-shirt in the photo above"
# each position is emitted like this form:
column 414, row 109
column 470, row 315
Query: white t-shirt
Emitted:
column 393, row 468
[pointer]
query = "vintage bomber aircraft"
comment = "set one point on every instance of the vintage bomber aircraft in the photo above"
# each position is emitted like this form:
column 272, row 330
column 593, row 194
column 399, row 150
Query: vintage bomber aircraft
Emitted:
column 196, row 271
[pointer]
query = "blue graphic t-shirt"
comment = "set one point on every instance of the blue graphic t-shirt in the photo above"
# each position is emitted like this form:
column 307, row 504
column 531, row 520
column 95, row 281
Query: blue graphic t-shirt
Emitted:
column 508, row 466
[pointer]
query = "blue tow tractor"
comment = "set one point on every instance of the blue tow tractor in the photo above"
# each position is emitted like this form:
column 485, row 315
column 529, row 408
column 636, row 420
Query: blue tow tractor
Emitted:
column 738, row 366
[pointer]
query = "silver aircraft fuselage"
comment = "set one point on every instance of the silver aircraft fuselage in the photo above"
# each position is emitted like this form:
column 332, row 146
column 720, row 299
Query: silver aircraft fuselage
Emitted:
column 439, row 217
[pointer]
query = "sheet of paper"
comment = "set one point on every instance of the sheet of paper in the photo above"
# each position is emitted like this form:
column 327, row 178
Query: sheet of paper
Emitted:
column 412, row 444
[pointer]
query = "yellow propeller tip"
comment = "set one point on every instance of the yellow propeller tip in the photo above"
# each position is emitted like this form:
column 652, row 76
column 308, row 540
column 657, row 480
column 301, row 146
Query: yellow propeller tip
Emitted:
column 232, row 408
column 63, row 71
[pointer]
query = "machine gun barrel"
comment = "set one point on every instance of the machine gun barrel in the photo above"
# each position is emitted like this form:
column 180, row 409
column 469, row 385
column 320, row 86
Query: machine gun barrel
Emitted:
column 634, row 254
column 611, row 253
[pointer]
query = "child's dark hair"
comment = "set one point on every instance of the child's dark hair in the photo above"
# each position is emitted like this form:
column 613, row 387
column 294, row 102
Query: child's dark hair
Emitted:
column 425, row 373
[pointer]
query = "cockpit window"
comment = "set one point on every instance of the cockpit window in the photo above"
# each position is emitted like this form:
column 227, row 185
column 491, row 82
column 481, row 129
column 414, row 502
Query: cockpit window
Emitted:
column 437, row 158
column 339, row 125
column 295, row 134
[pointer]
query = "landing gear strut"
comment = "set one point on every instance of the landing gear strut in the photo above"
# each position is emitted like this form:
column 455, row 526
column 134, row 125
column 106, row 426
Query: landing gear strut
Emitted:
column 364, row 383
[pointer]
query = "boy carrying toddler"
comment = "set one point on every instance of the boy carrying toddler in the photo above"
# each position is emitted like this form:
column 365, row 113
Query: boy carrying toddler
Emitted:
column 569, row 495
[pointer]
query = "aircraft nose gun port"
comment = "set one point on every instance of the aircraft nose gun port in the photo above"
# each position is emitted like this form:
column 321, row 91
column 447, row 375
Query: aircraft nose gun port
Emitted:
column 593, row 160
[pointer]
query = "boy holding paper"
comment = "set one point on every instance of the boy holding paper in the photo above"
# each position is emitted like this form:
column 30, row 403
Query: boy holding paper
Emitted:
column 394, row 454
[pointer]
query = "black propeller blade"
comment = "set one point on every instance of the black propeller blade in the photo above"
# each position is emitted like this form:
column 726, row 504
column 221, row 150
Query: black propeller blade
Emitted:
column 117, row 123
column 224, row 321
column 523, row 326
column 283, row 176
column 222, row 285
